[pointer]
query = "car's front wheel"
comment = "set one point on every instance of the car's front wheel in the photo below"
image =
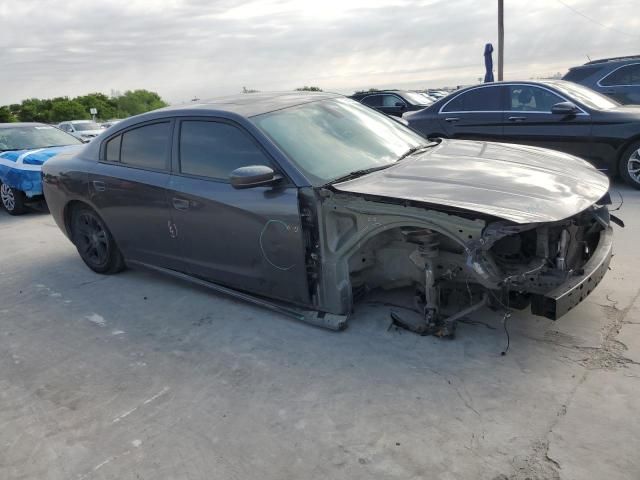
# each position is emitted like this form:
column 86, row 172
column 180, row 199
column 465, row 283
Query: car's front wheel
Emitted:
column 13, row 200
column 629, row 167
column 94, row 242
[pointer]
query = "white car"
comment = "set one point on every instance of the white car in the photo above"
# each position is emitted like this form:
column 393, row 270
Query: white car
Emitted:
column 84, row 130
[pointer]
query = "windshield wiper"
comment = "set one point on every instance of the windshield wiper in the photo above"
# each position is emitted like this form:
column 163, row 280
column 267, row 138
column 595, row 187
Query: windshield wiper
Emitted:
column 413, row 150
column 359, row 173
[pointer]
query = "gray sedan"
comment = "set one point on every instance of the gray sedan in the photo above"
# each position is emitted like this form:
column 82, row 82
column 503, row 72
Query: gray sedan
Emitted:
column 305, row 203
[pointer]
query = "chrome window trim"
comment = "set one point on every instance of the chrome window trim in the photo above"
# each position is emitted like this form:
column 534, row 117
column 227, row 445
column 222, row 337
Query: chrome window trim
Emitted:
column 510, row 84
column 613, row 71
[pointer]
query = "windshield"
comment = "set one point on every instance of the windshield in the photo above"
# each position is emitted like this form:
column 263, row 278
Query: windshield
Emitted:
column 418, row 98
column 34, row 136
column 329, row 139
column 586, row 96
column 84, row 126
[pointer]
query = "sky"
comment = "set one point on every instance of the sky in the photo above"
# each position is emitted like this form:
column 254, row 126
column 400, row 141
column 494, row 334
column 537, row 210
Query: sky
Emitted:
column 206, row 48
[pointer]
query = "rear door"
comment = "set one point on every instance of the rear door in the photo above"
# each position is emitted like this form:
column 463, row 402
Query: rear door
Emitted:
column 474, row 114
column 129, row 187
column 249, row 239
column 623, row 84
column 528, row 120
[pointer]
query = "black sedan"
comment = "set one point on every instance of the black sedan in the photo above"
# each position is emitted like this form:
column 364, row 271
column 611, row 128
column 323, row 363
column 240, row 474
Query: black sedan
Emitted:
column 314, row 200
column 394, row 102
column 554, row 114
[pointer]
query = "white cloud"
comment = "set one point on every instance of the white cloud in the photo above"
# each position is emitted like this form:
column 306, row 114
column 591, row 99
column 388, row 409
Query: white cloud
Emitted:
column 183, row 48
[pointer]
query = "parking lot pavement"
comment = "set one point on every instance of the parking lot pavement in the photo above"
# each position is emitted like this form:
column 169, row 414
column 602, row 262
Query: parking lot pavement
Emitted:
column 137, row 376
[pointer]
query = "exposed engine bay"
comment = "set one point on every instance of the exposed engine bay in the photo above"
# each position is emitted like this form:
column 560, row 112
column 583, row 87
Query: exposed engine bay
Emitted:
column 456, row 262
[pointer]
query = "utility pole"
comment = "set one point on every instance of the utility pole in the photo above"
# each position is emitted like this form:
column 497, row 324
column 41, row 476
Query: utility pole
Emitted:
column 500, row 39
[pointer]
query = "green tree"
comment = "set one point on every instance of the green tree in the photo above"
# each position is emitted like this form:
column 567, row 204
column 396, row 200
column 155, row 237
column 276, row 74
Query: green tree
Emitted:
column 107, row 107
column 308, row 89
column 136, row 102
column 6, row 115
column 64, row 109
column 34, row 110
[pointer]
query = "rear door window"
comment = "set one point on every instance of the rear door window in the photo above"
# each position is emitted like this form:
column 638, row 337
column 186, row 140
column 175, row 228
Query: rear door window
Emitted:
column 373, row 100
column 627, row 75
column 147, row 147
column 485, row 99
column 214, row 149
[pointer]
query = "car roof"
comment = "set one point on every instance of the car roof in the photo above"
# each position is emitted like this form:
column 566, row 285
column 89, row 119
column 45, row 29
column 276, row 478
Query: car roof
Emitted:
column 544, row 83
column 376, row 92
column 79, row 121
column 628, row 58
column 252, row 104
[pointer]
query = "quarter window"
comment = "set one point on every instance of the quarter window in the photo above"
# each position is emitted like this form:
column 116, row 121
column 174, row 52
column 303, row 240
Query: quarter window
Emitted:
column 147, row 146
column 627, row 75
column 527, row 98
column 485, row 99
column 112, row 149
column 214, row 149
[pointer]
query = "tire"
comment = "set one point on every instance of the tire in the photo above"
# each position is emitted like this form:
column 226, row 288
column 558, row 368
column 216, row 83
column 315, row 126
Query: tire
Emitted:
column 94, row 242
column 629, row 166
column 13, row 200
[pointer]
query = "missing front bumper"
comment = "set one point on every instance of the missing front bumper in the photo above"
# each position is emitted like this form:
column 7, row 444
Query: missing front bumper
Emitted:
column 563, row 298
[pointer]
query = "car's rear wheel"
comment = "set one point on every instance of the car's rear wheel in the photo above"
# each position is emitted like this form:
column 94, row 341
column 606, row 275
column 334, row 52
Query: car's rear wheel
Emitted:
column 13, row 200
column 629, row 167
column 94, row 242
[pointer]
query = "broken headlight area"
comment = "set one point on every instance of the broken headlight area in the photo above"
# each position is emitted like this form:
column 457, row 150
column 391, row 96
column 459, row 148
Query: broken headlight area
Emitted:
column 550, row 266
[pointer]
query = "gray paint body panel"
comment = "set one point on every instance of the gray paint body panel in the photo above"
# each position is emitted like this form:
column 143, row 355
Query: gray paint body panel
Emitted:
column 514, row 182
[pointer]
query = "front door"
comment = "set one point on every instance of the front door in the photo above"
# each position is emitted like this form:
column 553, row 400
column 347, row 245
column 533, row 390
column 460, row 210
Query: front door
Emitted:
column 249, row 239
column 528, row 120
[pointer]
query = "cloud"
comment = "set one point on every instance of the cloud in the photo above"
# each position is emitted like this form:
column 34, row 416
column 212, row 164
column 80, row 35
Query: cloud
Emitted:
column 183, row 48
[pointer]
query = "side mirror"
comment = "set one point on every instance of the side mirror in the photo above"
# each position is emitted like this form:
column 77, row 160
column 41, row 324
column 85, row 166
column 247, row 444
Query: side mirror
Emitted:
column 253, row 176
column 564, row 108
column 401, row 105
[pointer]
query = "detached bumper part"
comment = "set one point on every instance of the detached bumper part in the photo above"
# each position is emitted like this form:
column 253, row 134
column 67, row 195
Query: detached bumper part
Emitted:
column 563, row 298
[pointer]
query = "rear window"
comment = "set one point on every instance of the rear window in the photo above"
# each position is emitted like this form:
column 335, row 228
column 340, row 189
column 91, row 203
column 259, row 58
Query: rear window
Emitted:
column 577, row 75
column 147, row 146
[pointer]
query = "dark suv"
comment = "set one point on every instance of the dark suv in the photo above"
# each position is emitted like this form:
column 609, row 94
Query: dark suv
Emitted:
column 393, row 102
column 617, row 77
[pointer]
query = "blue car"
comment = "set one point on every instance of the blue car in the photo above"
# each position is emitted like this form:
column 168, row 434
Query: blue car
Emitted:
column 24, row 147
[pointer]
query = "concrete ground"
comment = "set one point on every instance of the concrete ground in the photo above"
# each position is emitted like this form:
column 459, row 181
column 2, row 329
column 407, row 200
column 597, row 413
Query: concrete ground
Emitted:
column 137, row 376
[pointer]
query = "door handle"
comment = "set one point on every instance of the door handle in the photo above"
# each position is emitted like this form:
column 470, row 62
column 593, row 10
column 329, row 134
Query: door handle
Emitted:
column 180, row 204
column 517, row 119
column 99, row 186
column 452, row 119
